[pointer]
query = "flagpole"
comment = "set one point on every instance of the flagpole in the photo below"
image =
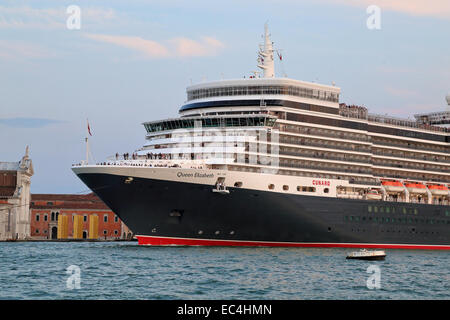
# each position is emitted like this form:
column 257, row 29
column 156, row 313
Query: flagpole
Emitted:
column 87, row 142
column 87, row 151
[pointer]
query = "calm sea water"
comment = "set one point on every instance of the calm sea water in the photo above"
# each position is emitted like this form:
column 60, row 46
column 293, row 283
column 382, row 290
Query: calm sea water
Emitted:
column 124, row 270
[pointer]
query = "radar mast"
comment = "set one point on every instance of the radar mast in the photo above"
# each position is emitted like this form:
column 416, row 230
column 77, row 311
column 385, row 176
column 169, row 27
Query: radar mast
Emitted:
column 265, row 55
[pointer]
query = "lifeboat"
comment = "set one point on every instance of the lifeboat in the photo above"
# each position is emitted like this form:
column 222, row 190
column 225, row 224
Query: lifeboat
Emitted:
column 415, row 187
column 438, row 190
column 393, row 186
column 373, row 195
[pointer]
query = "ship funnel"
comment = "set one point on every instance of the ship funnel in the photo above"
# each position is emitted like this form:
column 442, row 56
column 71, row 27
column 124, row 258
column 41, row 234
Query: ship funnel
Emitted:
column 265, row 55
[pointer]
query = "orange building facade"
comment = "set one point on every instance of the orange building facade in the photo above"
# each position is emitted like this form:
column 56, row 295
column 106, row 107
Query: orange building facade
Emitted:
column 97, row 220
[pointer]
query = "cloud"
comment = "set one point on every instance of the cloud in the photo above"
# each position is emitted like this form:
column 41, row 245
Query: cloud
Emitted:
column 26, row 17
column 394, row 69
column 28, row 122
column 185, row 47
column 177, row 47
column 400, row 92
column 148, row 47
column 434, row 8
column 14, row 50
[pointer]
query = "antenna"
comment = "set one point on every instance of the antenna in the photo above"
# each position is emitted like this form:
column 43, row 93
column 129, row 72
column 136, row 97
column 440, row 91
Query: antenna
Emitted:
column 265, row 55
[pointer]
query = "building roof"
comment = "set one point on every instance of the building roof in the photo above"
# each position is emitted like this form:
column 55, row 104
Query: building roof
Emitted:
column 67, row 201
column 9, row 166
column 90, row 197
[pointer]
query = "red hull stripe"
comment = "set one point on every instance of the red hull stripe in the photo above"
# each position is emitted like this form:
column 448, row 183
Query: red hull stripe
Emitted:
column 168, row 241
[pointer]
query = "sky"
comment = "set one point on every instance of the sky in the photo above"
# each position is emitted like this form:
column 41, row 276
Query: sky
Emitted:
column 131, row 61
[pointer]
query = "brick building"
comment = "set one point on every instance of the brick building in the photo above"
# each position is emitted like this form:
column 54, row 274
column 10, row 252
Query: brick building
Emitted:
column 46, row 210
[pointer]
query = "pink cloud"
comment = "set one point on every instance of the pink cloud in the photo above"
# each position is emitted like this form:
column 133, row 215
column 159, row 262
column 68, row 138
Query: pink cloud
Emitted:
column 148, row 47
column 177, row 47
column 435, row 8
column 17, row 49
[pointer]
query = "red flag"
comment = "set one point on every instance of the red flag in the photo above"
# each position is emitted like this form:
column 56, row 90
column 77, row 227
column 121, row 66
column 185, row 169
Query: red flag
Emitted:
column 89, row 129
column 279, row 56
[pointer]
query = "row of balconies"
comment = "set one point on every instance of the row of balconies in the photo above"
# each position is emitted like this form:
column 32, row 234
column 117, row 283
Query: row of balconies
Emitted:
column 324, row 144
column 410, row 165
column 411, row 145
column 410, row 155
column 323, row 132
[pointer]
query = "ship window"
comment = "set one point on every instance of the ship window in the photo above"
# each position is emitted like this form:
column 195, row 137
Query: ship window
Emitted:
column 326, row 190
column 404, row 210
column 388, row 210
column 238, row 184
column 285, row 187
column 416, row 211
column 271, row 186
column 381, row 210
column 369, row 208
column 375, row 209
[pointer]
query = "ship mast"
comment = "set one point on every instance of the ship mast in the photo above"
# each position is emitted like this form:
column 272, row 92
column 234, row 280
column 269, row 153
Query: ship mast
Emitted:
column 265, row 55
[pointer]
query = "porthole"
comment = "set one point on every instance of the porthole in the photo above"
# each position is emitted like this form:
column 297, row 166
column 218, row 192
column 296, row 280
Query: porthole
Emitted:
column 326, row 190
column 231, row 232
column 217, row 232
column 200, row 232
column 285, row 187
column 271, row 186
column 238, row 184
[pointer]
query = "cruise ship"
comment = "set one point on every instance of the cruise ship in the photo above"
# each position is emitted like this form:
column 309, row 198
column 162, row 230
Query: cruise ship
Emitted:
column 273, row 161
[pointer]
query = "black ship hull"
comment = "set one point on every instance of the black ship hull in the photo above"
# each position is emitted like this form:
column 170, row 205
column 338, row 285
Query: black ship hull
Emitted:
column 162, row 212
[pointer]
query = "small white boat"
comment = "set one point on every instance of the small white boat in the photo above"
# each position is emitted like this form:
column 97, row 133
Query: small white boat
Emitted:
column 365, row 254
